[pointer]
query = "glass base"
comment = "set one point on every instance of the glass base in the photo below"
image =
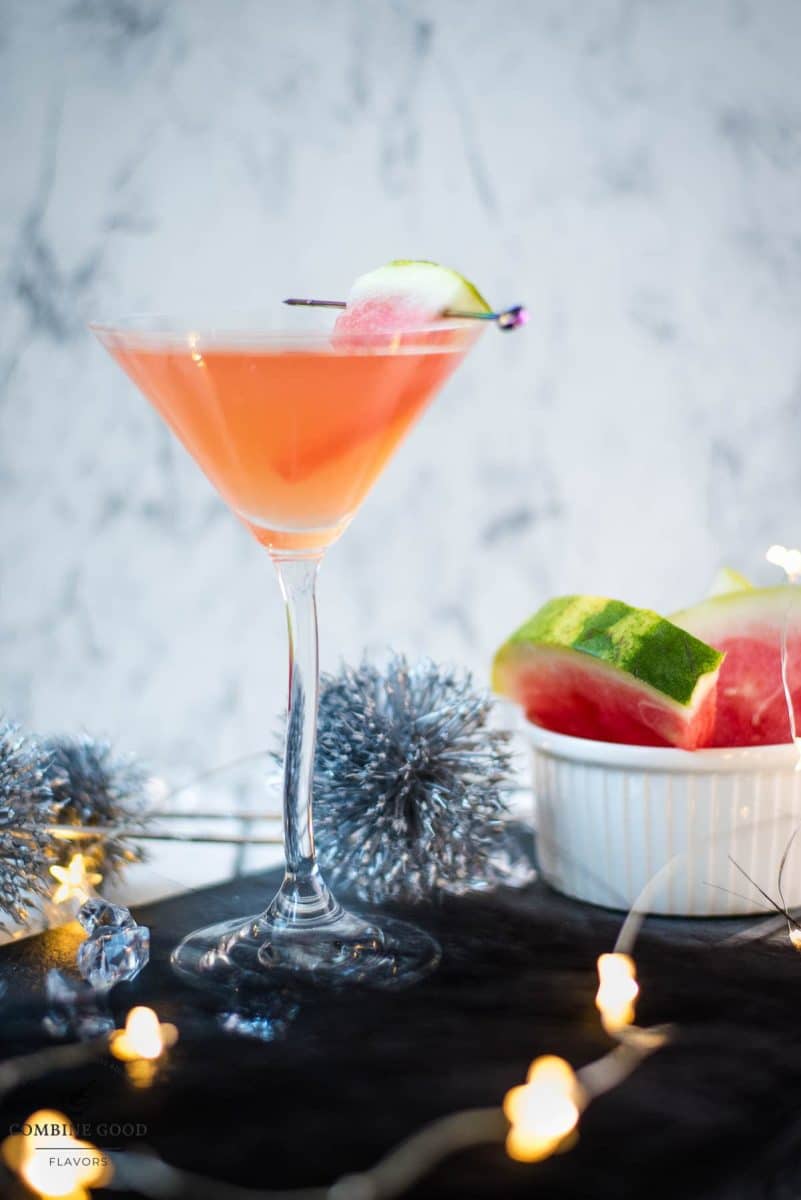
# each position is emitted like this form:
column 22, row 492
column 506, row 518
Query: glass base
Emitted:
column 253, row 956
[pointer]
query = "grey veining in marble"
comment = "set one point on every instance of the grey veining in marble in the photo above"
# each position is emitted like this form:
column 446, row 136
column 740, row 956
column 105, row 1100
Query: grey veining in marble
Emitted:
column 632, row 170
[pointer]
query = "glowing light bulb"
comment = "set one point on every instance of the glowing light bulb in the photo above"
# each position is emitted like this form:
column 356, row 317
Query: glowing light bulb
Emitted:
column 51, row 1161
column 795, row 937
column 544, row 1111
column 788, row 560
column 617, row 991
column 143, row 1036
column 141, row 1044
column 76, row 881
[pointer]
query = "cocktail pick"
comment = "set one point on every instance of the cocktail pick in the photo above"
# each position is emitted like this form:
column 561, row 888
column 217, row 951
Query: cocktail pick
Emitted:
column 507, row 318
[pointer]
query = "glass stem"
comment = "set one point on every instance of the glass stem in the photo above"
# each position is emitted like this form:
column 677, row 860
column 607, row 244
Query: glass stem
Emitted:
column 303, row 898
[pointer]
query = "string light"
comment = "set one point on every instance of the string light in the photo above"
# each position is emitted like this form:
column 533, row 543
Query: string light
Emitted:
column 617, row 991
column 538, row 1119
column 141, row 1044
column 544, row 1111
column 788, row 560
column 53, row 1163
column 76, row 881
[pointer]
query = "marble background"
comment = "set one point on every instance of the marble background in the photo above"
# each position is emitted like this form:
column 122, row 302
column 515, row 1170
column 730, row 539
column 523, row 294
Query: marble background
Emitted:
column 632, row 170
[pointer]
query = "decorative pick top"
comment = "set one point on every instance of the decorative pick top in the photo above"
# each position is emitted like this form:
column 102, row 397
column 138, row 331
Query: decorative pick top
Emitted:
column 406, row 293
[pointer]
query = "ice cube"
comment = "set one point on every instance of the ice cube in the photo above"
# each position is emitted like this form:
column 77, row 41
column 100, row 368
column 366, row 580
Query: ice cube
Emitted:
column 76, row 1009
column 114, row 953
column 56, row 1024
column 97, row 913
column 65, row 990
column 91, row 1024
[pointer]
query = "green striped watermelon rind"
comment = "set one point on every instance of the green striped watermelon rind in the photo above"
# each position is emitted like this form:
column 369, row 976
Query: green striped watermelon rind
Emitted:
column 636, row 641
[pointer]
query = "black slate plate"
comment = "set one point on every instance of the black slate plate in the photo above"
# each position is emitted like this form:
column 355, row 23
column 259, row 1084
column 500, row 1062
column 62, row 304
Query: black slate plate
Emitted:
column 713, row 1114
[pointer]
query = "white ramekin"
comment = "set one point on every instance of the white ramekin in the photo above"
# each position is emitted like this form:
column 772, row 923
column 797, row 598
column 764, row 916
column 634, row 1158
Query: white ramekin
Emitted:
column 620, row 823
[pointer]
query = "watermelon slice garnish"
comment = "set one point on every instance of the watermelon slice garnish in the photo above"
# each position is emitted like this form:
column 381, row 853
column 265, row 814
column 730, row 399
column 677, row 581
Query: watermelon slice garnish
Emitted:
column 406, row 295
column 598, row 668
column 747, row 625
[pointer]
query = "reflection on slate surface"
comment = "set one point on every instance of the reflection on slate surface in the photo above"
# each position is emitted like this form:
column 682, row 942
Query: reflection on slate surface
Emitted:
column 356, row 1072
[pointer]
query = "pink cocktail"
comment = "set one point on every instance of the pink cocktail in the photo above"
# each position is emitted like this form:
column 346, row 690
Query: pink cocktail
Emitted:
column 293, row 429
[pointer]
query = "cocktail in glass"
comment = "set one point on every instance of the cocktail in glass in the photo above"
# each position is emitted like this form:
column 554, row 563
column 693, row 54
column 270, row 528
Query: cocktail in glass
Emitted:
column 293, row 428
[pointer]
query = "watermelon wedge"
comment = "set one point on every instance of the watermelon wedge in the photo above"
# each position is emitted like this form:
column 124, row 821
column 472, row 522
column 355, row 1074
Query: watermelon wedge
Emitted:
column 598, row 668
column 405, row 294
column 747, row 626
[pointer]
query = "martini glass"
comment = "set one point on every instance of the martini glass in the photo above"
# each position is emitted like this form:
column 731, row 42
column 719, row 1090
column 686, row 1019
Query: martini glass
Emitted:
column 293, row 428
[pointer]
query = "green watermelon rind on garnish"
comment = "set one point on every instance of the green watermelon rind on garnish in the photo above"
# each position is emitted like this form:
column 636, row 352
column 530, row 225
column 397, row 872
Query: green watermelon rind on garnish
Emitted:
column 593, row 667
column 469, row 298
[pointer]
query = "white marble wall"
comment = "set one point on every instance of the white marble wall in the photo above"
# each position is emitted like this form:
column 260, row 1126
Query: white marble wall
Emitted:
column 630, row 169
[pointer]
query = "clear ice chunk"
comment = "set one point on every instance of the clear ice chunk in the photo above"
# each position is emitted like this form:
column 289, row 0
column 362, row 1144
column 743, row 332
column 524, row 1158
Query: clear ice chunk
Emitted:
column 87, row 1025
column 76, row 1009
column 114, row 953
column 97, row 913
column 65, row 990
column 56, row 1024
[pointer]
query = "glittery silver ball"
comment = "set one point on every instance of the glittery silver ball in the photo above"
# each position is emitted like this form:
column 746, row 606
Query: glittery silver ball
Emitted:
column 94, row 786
column 410, row 783
column 26, row 811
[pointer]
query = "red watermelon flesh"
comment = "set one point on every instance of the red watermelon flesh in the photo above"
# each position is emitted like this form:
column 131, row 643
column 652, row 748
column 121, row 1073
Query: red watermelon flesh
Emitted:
column 587, row 699
column 382, row 316
column 748, row 627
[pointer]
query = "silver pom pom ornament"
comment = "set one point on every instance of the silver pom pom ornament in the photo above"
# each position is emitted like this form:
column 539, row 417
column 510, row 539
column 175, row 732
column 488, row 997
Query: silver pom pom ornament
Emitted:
column 27, row 848
column 410, row 785
column 91, row 786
